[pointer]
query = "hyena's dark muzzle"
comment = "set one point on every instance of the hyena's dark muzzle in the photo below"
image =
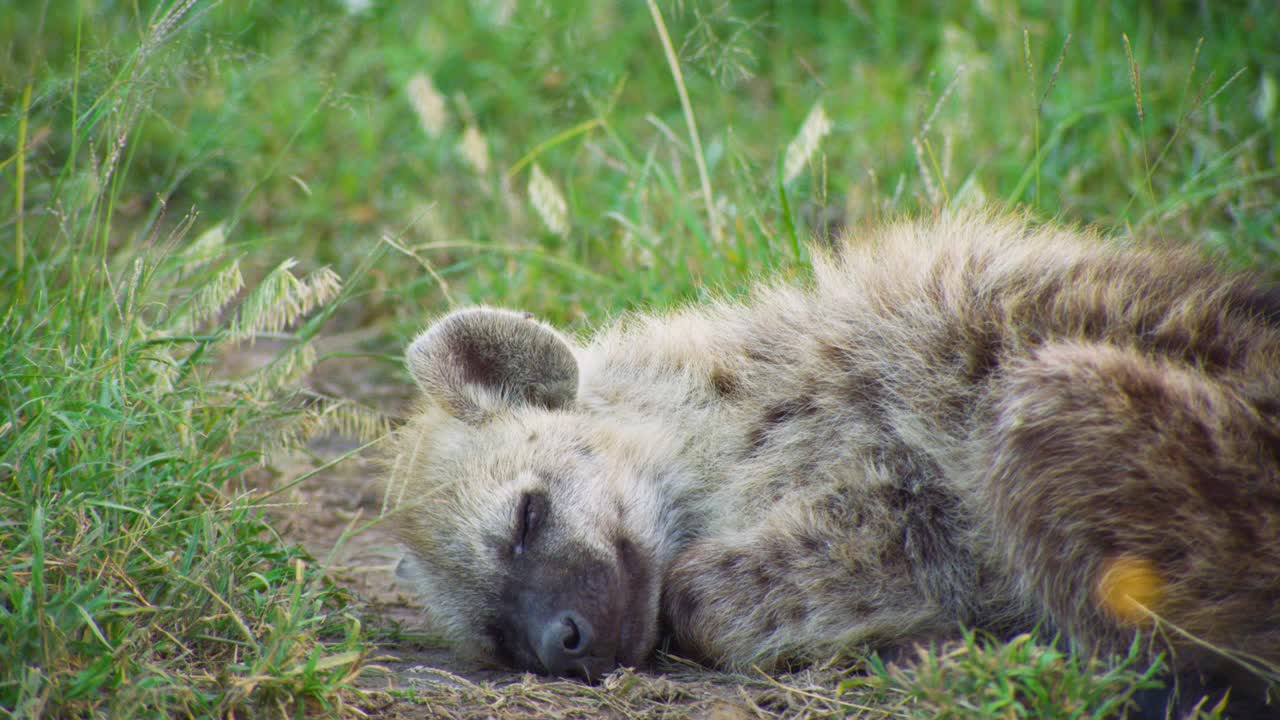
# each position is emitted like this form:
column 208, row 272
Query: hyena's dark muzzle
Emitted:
column 577, row 617
column 562, row 618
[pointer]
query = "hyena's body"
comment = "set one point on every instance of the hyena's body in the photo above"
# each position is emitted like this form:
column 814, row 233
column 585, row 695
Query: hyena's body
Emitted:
column 967, row 422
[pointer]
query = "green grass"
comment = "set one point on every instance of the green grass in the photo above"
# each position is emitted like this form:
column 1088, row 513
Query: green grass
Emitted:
column 138, row 574
column 981, row 678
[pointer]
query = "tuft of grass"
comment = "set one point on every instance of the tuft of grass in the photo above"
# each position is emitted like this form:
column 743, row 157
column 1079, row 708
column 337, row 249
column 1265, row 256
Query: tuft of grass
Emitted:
column 140, row 576
column 978, row 677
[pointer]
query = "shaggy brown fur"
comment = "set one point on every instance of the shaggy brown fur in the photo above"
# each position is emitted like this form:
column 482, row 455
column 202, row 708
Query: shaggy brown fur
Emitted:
column 969, row 421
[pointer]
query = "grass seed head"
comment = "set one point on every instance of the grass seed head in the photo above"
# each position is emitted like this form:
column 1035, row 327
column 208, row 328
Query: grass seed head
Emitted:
column 801, row 149
column 548, row 202
column 475, row 150
column 428, row 103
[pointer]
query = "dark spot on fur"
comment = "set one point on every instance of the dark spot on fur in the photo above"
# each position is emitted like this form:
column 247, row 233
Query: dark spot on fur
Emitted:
column 929, row 514
column 1039, row 307
column 1212, row 350
column 761, row 354
column 984, row 354
column 930, row 525
column 1222, row 493
column 533, row 435
column 781, row 486
column 762, row 577
column 812, row 545
column 869, row 397
column 831, row 505
column 728, row 563
column 862, row 390
column 779, row 553
column 841, row 511
column 771, row 621
column 833, row 354
column 893, row 558
column 793, row 610
column 775, row 416
column 725, row 383
column 911, row 469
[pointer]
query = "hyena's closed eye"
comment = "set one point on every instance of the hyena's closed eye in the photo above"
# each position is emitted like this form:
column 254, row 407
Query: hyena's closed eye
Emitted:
column 530, row 514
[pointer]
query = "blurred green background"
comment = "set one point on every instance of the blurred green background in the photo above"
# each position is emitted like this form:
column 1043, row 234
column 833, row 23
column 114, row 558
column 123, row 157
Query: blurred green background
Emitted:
column 291, row 122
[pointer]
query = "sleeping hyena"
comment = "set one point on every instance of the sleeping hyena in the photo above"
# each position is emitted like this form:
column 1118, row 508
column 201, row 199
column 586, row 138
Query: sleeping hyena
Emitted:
column 965, row 422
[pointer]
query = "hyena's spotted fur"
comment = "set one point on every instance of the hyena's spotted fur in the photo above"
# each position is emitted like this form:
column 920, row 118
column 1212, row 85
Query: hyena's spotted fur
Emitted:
column 964, row 422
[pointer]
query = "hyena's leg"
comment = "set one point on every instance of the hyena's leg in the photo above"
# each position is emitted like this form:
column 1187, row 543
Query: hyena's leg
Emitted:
column 830, row 576
column 1121, row 484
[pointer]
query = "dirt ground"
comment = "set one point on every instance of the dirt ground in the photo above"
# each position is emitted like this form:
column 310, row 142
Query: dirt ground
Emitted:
column 335, row 516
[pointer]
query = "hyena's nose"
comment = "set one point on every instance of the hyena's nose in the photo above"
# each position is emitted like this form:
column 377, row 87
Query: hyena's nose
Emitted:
column 565, row 641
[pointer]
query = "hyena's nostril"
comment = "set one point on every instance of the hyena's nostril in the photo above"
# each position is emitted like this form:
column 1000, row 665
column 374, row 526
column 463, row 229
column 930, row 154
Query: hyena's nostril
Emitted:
column 575, row 634
column 565, row 638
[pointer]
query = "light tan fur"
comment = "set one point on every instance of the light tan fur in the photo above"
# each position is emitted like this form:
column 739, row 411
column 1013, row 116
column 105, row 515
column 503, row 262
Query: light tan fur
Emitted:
column 963, row 421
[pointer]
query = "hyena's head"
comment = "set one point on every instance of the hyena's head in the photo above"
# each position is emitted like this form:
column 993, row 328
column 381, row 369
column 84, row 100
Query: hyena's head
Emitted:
column 531, row 526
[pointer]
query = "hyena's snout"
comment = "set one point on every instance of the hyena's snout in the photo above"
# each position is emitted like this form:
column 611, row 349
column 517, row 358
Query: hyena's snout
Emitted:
column 567, row 621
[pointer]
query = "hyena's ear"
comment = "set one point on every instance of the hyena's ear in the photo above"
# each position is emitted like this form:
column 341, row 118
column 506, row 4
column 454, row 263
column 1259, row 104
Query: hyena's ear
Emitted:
column 480, row 361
